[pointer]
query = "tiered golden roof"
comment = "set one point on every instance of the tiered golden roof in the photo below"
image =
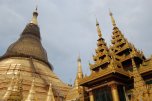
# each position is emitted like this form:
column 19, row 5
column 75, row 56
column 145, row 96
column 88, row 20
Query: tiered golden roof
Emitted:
column 102, row 56
column 106, row 61
column 121, row 47
column 122, row 65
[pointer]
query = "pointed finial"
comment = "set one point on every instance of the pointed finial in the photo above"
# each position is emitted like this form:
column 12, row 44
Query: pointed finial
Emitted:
column 31, row 95
column 50, row 95
column 79, row 59
column 112, row 18
column 79, row 72
column 97, row 23
column 36, row 3
column 36, row 7
column 98, row 28
column 34, row 18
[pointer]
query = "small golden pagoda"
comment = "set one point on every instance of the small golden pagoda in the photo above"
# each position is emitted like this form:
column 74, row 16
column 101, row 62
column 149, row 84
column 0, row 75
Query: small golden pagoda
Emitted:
column 75, row 93
column 119, row 73
column 26, row 74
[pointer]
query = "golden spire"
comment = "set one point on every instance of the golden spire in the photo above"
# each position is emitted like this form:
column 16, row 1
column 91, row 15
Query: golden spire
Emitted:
column 112, row 19
column 79, row 73
column 31, row 95
column 50, row 95
column 98, row 28
column 34, row 18
column 9, row 89
column 102, row 52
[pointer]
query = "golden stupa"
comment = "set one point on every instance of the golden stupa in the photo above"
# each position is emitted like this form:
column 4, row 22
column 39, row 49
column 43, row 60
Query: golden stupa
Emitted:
column 74, row 93
column 25, row 72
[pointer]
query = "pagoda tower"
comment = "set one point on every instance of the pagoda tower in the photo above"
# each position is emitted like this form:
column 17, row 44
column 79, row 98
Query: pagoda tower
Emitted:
column 107, row 77
column 119, row 73
column 28, row 56
column 102, row 57
column 122, row 48
column 73, row 94
column 79, row 72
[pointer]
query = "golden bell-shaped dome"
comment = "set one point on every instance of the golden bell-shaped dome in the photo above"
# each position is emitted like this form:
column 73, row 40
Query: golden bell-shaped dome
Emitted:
column 29, row 43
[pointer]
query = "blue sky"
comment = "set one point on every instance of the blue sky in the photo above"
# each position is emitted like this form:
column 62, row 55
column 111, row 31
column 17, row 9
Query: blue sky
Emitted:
column 68, row 28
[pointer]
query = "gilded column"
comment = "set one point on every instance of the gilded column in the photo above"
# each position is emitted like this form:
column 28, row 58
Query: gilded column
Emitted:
column 114, row 91
column 91, row 96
